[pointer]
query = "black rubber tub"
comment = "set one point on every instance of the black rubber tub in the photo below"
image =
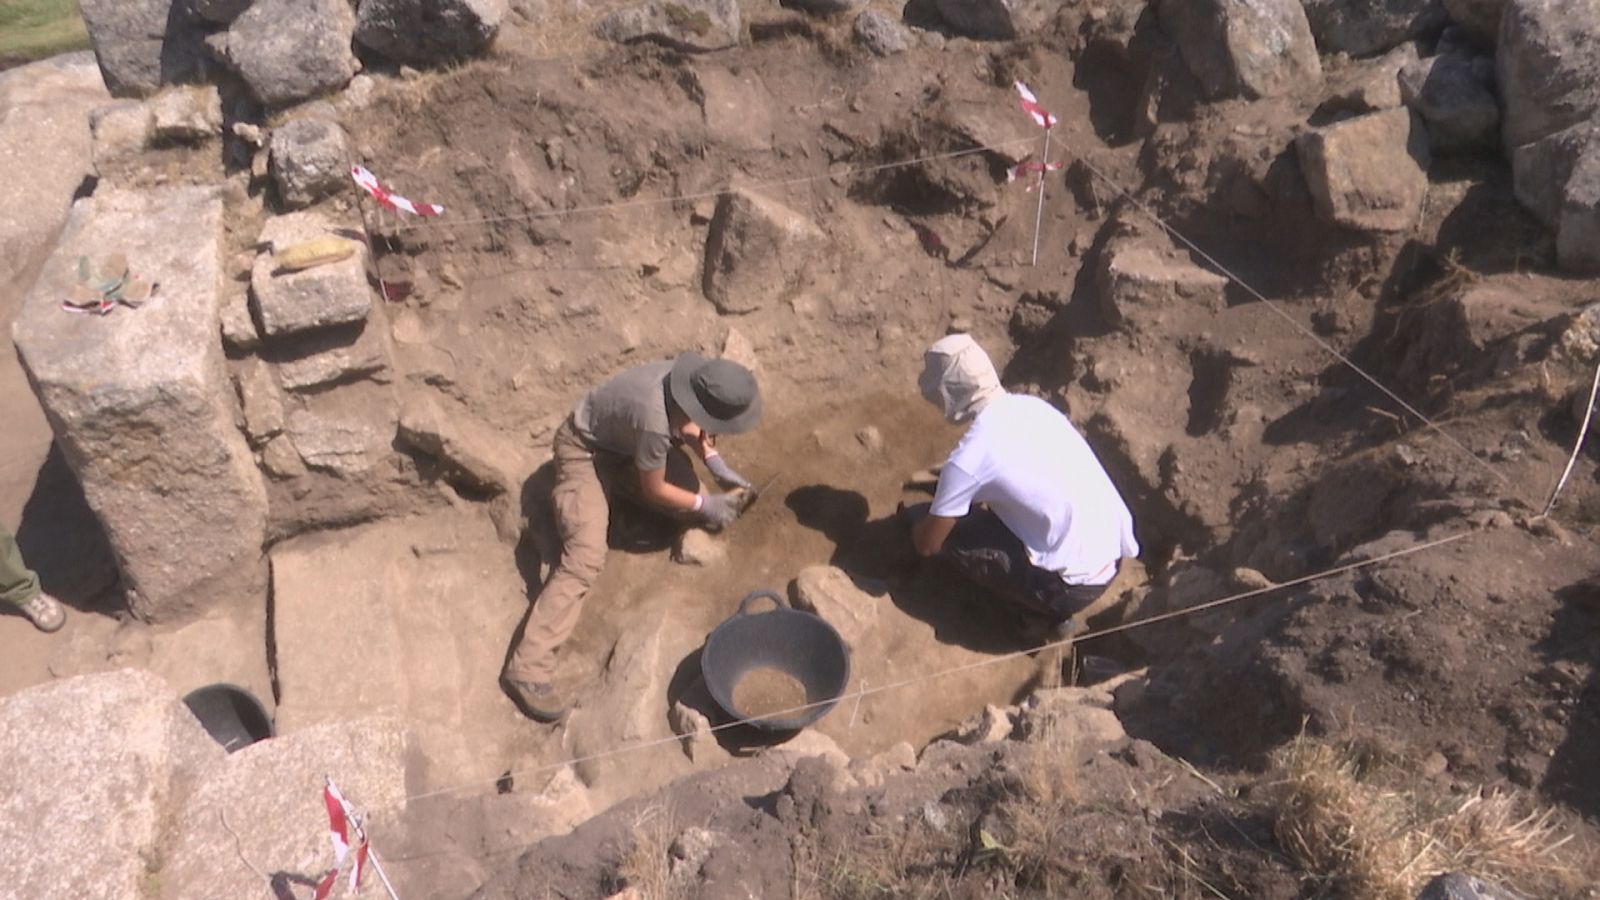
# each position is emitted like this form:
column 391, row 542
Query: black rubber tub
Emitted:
column 231, row 715
column 799, row 644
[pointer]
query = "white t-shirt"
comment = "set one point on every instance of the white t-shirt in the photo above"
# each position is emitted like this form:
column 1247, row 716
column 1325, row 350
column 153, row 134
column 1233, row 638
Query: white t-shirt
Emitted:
column 1036, row 472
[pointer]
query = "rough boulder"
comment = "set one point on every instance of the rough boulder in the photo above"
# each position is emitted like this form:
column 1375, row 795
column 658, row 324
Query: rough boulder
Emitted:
column 757, row 252
column 1454, row 94
column 1479, row 18
column 881, row 33
column 1548, row 63
column 1256, row 49
column 996, row 19
column 428, row 32
column 143, row 44
column 693, row 25
column 1365, row 27
column 290, row 50
column 309, row 157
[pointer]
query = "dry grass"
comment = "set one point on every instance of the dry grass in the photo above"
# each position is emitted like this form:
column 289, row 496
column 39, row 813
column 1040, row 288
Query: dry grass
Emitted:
column 1039, row 811
column 647, row 866
column 1353, row 824
column 35, row 29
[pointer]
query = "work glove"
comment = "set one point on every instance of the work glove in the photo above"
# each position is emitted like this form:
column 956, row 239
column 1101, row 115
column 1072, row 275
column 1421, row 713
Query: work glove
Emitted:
column 718, row 511
column 725, row 474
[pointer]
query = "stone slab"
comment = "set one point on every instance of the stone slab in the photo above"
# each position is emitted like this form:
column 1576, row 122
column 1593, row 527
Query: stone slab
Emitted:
column 140, row 403
column 339, row 442
column 44, row 131
column 409, row 617
column 332, row 356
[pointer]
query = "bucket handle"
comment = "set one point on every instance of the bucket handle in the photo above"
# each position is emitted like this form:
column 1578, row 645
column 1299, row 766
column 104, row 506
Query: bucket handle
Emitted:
column 777, row 601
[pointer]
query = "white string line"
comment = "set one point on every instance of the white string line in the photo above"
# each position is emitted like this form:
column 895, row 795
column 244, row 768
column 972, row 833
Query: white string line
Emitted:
column 1583, row 431
column 707, row 195
column 1329, row 348
column 865, row 691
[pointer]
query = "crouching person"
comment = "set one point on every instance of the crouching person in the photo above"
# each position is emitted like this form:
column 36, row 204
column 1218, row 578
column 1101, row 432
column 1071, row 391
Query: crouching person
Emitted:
column 615, row 445
column 1023, row 507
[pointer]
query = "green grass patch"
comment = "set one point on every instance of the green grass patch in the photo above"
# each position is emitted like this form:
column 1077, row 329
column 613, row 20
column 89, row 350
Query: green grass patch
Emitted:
column 35, row 29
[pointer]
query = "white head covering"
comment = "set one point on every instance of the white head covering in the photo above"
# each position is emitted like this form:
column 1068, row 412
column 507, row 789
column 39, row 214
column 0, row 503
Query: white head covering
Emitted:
column 958, row 377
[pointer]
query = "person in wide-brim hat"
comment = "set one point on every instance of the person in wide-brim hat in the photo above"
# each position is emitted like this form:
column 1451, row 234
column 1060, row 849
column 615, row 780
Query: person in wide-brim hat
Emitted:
column 617, row 443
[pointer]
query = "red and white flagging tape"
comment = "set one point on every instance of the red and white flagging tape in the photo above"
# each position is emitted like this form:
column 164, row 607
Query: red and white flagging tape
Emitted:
column 389, row 199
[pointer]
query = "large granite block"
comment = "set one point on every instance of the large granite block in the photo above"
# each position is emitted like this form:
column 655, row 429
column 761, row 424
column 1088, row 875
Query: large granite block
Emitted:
column 141, row 404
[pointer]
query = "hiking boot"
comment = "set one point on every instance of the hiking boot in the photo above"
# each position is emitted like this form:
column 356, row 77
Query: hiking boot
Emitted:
column 538, row 700
column 45, row 612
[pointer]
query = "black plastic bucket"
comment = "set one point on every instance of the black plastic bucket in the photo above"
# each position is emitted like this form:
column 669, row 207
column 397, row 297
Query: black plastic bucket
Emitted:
column 230, row 714
column 798, row 644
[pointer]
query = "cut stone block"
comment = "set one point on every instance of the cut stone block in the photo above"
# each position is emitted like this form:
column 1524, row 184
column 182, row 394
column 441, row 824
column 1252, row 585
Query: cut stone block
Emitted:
column 141, row 405
column 271, row 795
column 1369, row 173
column 292, row 302
column 186, row 115
column 91, row 765
column 121, row 130
column 410, row 617
column 238, row 328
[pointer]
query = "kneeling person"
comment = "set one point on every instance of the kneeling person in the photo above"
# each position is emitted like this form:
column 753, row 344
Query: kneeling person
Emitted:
column 616, row 443
column 1022, row 507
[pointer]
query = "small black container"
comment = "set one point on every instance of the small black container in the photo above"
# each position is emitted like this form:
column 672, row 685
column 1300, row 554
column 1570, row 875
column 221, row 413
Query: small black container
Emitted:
column 796, row 643
column 231, row 715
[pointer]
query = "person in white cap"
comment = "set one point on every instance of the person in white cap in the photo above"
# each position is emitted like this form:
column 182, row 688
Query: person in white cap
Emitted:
column 616, row 443
column 1023, row 507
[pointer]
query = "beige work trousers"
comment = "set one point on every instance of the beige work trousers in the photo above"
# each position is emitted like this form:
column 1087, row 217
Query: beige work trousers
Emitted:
column 583, row 514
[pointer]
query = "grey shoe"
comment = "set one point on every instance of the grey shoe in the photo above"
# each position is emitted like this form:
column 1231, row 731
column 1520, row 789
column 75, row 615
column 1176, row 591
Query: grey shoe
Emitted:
column 538, row 700
column 45, row 612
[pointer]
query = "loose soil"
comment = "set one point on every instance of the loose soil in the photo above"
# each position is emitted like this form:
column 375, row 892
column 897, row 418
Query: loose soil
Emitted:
column 765, row 690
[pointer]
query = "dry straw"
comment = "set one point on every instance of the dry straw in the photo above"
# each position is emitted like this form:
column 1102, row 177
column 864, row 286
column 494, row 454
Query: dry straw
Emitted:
column 1367, row 830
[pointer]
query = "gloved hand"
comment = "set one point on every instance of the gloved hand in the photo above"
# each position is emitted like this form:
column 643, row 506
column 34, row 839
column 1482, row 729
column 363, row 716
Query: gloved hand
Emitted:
column 725, row 474
column 718, row 511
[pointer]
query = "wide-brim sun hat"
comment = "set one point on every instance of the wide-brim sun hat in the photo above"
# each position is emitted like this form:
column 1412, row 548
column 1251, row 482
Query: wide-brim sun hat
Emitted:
column 719, row 395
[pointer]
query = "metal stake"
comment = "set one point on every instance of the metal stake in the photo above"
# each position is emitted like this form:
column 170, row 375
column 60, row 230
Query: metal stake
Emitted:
column 1038, row 217
column 366, row 231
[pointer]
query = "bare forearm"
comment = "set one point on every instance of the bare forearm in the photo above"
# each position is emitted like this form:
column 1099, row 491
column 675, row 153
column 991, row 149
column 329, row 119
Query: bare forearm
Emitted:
column 668, row 496
column 929, row 534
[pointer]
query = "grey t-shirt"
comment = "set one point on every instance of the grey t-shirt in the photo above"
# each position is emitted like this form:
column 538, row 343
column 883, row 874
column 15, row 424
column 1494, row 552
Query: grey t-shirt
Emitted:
column 628, row 415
